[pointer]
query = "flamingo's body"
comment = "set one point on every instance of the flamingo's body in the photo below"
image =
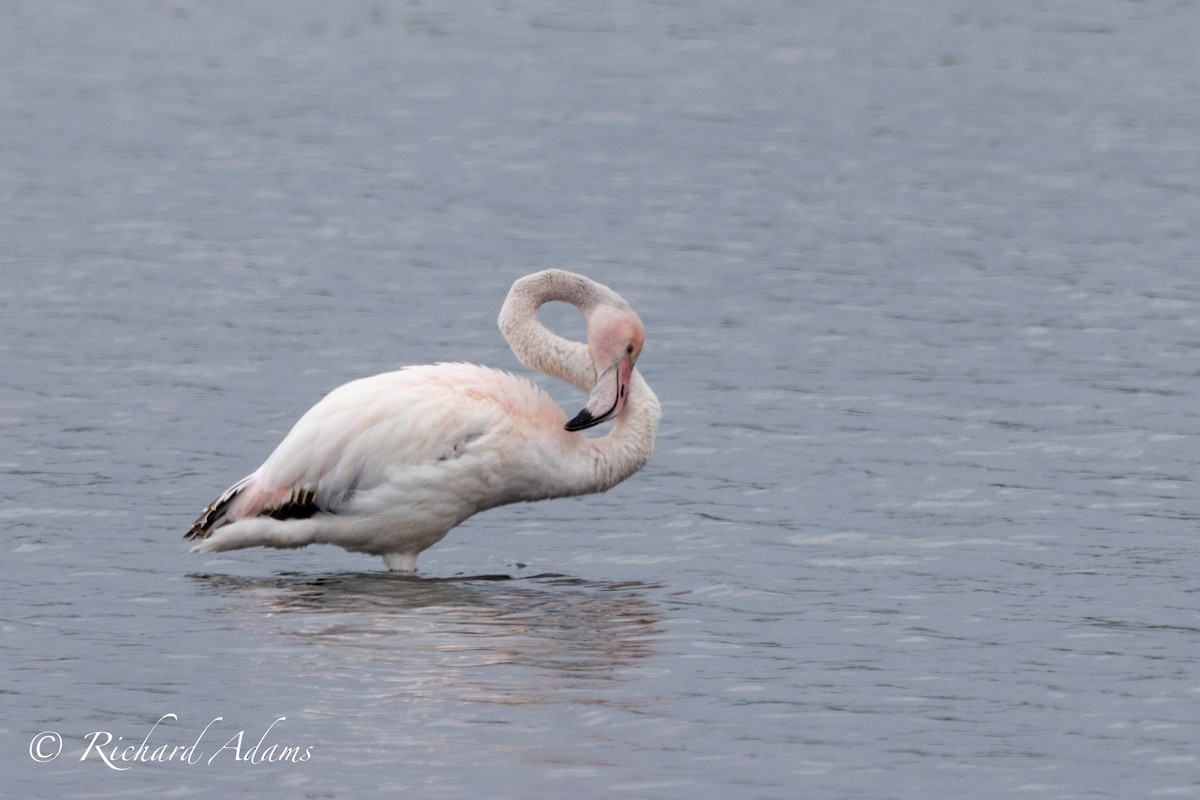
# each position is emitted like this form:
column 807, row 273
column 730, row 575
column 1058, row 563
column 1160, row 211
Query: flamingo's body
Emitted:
column 388, row 465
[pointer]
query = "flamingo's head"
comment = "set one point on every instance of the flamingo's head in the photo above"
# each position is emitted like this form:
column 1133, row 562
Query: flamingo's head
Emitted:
column 615, row 338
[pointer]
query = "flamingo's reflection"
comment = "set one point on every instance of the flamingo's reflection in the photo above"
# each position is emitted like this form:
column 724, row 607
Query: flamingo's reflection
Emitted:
column 432, row 635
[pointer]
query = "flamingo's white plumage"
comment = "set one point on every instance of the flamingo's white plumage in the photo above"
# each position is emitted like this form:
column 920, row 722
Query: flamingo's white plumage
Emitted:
column 388, row 465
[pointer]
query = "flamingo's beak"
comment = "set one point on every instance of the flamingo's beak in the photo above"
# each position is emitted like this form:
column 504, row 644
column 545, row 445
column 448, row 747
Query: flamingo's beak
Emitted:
column 607, row 398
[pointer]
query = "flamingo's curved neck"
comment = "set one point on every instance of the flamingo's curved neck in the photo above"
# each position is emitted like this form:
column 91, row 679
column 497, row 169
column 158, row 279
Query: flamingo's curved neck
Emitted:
column 536, row 345
column 627, row 447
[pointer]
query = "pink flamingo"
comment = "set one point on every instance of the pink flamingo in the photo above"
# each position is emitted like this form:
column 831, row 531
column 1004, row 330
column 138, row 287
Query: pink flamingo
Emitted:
column 387, row 465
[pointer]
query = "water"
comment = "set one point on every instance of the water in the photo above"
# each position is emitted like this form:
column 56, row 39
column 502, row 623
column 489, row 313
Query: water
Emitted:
column 922, row 297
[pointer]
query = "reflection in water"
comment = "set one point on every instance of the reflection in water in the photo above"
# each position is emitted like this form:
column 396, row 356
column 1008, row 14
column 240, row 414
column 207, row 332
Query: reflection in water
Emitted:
column 410, row 674
column 487, row 638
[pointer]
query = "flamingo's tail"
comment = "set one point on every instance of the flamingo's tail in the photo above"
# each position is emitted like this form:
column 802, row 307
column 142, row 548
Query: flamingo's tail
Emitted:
column 216, row 513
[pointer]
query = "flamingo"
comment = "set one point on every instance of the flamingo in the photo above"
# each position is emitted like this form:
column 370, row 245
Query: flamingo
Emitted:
column 388, row 465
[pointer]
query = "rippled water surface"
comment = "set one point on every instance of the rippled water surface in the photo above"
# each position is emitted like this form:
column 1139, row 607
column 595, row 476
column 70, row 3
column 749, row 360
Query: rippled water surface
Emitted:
column 923, row 306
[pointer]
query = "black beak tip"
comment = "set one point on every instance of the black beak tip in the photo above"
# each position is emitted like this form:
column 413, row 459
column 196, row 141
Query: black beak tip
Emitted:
column 583, row 419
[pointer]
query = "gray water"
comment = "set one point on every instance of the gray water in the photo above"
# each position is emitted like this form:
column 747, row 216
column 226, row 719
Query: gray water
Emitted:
column 922, row 289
